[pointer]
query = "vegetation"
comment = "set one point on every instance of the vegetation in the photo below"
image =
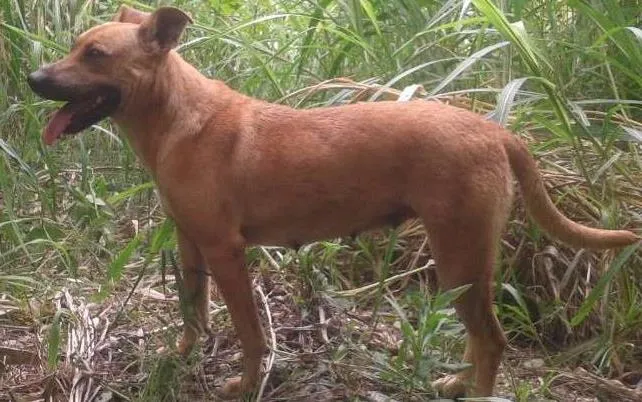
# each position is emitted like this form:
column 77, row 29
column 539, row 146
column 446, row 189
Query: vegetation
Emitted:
column 88, row 290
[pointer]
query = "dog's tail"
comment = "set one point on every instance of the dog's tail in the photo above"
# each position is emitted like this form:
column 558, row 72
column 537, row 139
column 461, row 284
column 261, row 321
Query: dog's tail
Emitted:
column 546, row 214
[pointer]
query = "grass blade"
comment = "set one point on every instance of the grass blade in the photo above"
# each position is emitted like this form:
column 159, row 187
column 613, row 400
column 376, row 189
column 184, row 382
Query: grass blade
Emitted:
column 466, row 64
column 598, row 290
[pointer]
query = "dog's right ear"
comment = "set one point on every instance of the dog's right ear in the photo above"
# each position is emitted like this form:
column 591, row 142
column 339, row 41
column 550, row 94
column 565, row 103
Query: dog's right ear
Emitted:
column 130, row 15
column 161, row 31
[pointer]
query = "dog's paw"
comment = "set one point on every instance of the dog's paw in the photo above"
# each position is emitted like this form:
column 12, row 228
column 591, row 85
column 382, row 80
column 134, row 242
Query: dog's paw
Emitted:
column 236, row 388
column 232, row 388
column 451, row 386
column 185, row 345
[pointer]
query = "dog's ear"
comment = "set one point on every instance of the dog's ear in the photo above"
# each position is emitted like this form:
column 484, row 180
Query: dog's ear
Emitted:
column 131, row 15
column 162, row 29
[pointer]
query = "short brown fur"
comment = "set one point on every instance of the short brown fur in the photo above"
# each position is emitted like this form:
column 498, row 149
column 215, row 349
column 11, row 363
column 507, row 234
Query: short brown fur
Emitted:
column 235, row 171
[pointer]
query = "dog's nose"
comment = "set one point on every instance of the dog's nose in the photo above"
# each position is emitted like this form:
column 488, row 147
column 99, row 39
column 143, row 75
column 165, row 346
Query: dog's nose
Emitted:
column 37, row 80
column 43, row 83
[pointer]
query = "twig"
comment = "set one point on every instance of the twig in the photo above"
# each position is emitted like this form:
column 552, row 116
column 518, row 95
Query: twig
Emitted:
column 270, row 258
column 324, row 327
column 418, row 254
column 272, row 355
column 354, row 292
column 141, row 274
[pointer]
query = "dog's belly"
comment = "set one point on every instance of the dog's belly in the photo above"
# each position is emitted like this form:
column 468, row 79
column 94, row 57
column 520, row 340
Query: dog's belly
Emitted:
column 321, row 225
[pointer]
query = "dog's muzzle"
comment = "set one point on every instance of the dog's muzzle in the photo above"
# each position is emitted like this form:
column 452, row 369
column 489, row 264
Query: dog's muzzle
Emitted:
column 87, row 104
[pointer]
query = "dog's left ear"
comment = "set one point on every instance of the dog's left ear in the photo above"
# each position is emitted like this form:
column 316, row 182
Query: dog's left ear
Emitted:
column 162, row 29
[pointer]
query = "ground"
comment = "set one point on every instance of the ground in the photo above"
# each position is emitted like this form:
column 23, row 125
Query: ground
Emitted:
column 327, row 347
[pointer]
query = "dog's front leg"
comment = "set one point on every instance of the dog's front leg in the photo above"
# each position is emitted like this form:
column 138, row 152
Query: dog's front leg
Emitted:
column 195, row 295
column 227, row 265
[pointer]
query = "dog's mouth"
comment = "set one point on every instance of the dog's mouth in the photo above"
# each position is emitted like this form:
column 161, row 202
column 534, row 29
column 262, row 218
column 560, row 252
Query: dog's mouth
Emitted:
column 80, row 113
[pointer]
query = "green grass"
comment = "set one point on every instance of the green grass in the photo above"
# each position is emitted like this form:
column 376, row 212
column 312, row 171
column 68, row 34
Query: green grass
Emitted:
column 83, row 215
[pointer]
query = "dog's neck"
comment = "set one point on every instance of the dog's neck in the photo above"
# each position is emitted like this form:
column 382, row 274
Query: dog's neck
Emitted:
column 163, row 101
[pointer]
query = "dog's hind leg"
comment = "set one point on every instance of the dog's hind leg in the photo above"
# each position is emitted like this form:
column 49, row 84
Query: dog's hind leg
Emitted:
column 195, row 295
column 464, row 241
column 227, row 265
column 469, row 260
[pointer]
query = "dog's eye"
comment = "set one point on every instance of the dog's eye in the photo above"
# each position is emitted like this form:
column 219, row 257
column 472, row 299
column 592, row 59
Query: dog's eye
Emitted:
column 94, row 52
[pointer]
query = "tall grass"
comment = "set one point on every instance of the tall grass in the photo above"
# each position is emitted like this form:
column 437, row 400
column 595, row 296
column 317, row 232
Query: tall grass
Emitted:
column 566, row 75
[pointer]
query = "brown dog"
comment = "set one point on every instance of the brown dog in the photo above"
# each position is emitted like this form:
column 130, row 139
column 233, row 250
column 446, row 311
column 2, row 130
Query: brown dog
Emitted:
column 234, row 171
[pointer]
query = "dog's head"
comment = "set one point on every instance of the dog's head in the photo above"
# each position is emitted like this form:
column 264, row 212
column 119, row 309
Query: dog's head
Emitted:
column 104, row 67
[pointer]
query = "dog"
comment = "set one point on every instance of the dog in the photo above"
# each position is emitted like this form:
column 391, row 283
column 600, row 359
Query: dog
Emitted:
column 234, row 171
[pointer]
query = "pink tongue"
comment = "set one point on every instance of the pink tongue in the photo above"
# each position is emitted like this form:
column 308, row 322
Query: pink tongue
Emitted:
column 57, row 125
